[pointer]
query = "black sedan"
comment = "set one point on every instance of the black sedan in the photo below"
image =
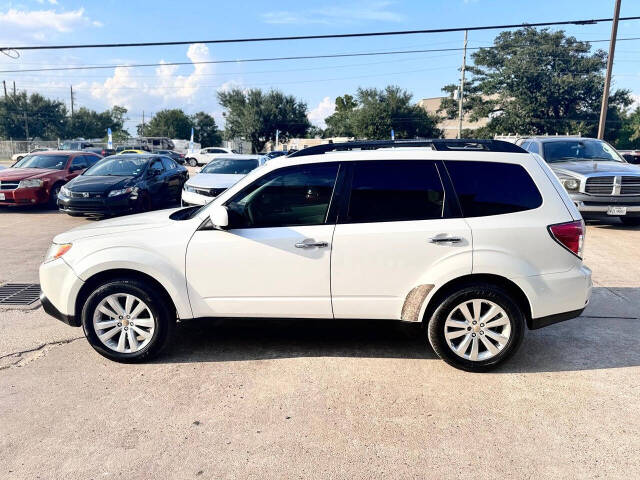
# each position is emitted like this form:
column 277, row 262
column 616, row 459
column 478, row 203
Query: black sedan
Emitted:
column 123, row 184
column 178, row 157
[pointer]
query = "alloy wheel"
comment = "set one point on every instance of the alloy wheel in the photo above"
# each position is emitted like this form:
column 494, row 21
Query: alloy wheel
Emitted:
column 124, row 323
column 477, row 329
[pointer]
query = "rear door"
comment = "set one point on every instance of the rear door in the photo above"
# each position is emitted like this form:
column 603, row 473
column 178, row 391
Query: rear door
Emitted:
column 398, row 232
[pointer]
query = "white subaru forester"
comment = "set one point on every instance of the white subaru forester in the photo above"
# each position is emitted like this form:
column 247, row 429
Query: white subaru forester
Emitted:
column 476, row 239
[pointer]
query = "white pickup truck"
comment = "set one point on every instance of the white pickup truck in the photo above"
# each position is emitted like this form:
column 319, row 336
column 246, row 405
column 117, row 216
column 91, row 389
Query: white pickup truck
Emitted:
column 205, row 155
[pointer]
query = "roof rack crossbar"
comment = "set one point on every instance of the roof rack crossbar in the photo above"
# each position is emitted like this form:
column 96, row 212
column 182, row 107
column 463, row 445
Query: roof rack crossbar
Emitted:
column 439, row 144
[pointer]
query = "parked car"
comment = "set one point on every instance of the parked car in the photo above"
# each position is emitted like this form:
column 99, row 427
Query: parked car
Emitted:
column 76, row 144
column 476, row 239
column 275, row 154
column 175, row 156
column 132, row 150
column 102, row 151
column 217, row 176
column 141, row 148
column 38, row 177
column 631, row 156
column 205, row 155
column 19, row 156
column 599, row 181
column 123, row 184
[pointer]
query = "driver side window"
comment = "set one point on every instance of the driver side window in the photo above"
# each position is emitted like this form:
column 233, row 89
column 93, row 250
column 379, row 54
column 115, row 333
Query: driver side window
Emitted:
column 291, row 196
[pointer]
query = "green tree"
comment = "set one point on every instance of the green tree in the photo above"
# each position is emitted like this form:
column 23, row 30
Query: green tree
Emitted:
column 172, row 123
column 255, row 116
column 42, row 117
column 91, row 124
column 205, row 130
column 537, row 81
column 629, row 132
column 339, row 123
column 380, row 111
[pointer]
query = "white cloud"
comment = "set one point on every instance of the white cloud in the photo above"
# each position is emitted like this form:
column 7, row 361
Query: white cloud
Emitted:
column 358, row 12
column 324, row 109
column 636, row 101
column 24, row 25
column 165, row 89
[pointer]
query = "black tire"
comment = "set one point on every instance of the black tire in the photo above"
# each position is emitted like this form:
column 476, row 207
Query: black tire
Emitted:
column 192, row 162
column 143, row 204
column 630, row 221
column 492, row 293
column 163, row 313
column 53, row 196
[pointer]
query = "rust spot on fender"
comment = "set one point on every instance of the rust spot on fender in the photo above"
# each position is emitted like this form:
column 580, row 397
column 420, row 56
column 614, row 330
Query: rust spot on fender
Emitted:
column 413, row 302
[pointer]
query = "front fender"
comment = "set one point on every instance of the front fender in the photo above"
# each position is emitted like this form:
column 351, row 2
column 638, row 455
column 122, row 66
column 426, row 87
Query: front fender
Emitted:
column 169, row 275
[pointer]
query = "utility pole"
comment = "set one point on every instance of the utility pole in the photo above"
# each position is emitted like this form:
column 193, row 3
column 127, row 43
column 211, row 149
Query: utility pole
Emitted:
column 71, row 87
column 4, row 84
column 461, row 95
column 14, row 88
column 142, row 124
column 607, row 79
column 26, row 128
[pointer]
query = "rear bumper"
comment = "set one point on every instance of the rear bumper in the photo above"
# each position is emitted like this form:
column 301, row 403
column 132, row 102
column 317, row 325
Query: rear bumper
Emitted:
column 535, row 323
column 24, row 196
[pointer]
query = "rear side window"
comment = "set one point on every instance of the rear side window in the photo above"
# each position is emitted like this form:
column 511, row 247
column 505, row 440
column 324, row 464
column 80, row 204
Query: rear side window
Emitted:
column 393, row 191
column 491, row 188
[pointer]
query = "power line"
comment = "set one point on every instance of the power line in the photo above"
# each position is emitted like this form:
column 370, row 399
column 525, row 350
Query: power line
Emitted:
column 8, row 49
column 264, row 59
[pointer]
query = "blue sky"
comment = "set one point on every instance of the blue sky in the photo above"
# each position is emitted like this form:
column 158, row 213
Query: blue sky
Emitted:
column 317, row 82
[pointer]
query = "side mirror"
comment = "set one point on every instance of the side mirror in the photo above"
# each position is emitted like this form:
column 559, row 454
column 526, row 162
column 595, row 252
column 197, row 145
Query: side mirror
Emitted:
column 219, row 217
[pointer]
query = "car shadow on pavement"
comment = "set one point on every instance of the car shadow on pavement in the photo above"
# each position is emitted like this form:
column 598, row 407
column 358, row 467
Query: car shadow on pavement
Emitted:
column 584, row 343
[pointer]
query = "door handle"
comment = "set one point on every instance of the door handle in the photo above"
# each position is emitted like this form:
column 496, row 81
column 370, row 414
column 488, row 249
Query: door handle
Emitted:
column 309, row 243
column 445, row 240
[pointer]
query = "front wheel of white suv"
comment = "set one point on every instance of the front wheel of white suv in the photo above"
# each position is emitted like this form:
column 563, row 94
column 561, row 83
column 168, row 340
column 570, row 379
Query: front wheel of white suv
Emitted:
column 477, row 328
column 128, row 321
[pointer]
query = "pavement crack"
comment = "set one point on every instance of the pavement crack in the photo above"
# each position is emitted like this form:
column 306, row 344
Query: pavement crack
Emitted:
column 24, row 357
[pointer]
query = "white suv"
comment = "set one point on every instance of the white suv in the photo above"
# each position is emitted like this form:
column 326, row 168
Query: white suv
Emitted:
column 477, row 240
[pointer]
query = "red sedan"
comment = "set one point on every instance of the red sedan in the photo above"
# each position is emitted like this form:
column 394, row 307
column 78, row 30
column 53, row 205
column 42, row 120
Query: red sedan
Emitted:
column 37, row 179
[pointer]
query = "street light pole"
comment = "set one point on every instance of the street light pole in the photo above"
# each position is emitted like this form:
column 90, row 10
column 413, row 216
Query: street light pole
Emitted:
column 460, row 100
column 607, row 80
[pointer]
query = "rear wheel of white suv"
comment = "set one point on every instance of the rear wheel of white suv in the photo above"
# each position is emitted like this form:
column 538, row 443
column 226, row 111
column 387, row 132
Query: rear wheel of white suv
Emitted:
column 477, row 328
column 127, row 321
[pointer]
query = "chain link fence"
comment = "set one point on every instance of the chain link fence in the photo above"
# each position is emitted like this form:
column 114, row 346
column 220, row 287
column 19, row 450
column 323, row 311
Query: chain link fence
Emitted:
column 8, row 148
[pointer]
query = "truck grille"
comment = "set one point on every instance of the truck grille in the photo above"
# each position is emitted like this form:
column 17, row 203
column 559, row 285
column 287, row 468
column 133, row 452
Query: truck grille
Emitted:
column 8, row 184
column 630, row 186
column 599, row 185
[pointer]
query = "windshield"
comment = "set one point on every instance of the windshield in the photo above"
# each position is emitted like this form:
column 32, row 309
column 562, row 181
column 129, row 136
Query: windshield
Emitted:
column 230, row 166
column 579, row 150
column 55, row 162
column 118, row 167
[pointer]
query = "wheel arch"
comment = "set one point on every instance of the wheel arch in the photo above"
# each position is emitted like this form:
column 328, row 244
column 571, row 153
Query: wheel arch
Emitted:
column 104, row 276
column 439, row 294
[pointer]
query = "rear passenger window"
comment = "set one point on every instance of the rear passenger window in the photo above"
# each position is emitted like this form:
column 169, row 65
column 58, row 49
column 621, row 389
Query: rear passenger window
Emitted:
column 393, row 191
column 492, row 188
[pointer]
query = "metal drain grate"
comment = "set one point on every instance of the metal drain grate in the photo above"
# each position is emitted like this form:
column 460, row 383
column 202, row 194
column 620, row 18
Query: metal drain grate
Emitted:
column 19, row 293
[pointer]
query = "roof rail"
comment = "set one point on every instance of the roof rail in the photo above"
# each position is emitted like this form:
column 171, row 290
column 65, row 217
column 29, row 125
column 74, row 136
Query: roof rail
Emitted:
column 439, row 144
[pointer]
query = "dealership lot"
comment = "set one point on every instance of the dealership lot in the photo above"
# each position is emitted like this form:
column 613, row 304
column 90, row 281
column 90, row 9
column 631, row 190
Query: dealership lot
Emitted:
column 316, row 399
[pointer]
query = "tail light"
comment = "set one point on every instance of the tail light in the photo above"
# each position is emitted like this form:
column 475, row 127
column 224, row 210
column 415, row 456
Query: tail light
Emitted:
column 570, row 235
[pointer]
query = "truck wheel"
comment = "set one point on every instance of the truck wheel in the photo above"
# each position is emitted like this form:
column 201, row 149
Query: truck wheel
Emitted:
column 477, row 328
column 127, row 321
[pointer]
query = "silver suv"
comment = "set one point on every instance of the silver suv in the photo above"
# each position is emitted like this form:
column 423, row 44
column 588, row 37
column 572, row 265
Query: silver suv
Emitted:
column 599, row 181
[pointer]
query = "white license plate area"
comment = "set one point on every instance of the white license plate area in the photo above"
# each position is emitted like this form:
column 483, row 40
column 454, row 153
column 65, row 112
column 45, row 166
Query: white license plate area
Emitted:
column 617, row 211
column 2, row 196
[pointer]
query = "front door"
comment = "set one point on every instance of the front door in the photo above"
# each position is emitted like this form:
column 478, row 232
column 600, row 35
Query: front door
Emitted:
column 397, row 233
column 274, row 259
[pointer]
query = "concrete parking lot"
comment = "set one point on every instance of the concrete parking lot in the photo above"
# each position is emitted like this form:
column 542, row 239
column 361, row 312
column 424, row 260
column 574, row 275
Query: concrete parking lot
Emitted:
column 307, row 399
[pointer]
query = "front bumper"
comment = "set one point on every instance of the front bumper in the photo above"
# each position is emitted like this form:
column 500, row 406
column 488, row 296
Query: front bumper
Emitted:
column 598, row 205
column 60, row 287
column 193, row 198
column 105, row 206
column 24, row 196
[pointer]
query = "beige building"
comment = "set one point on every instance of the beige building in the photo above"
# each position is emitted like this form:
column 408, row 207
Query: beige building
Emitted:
column 449, row 127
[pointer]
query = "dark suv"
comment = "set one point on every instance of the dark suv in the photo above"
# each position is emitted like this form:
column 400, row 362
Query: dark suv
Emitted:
column 599, row 181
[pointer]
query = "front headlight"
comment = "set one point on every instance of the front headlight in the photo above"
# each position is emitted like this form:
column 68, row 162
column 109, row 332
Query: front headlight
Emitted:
column 189, row 188
column 64, row 191
column 56, row 251
column 570, row 183
column 35, row 183
column 122, row 191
